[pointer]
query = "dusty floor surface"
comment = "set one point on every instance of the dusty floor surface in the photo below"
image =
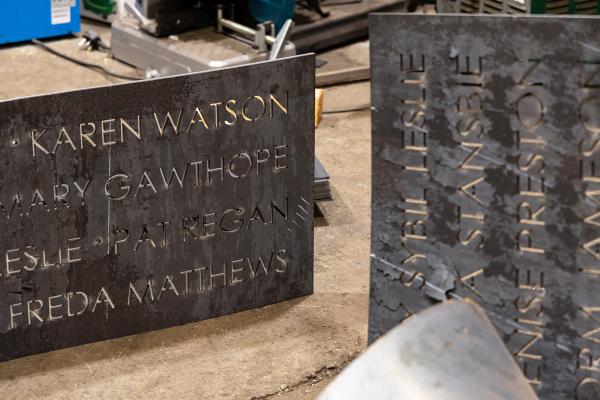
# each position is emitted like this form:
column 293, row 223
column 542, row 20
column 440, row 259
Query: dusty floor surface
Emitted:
column 289, row 350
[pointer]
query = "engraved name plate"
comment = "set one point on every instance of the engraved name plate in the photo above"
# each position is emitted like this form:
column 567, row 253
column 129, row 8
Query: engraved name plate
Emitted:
column 486, row 183
column 145, row 205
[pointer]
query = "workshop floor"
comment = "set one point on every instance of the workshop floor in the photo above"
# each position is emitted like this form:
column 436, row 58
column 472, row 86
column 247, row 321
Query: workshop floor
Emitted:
column 289, row 350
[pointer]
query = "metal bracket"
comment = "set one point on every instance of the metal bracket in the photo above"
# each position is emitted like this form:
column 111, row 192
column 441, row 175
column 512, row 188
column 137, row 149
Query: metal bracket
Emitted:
column 132, row 9
column 281, row 39
column 259, row 36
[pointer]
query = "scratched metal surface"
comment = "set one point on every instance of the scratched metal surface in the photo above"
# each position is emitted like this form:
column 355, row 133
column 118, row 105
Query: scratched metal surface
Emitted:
column 485, row 183
column 267, row 252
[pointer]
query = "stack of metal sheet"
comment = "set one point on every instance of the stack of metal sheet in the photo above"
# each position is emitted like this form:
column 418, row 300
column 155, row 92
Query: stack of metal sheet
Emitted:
column 589, row 7
column 321, row 187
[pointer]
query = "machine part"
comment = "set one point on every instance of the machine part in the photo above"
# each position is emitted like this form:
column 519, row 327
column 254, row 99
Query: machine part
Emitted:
column 92, row 41
column 448, row 352
column 167, row 17
column 315, row 6
column 102, row 7
column 584, row 7
column 260, row 36
column 281, row 40
column 277, row 11
column 243, row 30
column 346, row 75
column 345, row 23
column 146, row 23
column 198, row 50
column 22, row 21
column 311, row 32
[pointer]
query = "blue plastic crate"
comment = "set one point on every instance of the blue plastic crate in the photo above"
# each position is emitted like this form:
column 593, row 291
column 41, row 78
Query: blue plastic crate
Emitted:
column 22, row 20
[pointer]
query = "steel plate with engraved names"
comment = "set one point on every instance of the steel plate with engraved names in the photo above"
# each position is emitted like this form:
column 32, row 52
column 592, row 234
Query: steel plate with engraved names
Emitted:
column 145, row 205
column 486, row 182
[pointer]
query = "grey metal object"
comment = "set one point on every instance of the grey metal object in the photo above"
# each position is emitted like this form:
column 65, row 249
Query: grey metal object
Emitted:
column 448, row 352
column 281, row 40
column 322, row 187
column 589, row 7
column 194, row 51
column 258, row 36
column 346, row 75
column 132, row 9
column 145, row 205
column 485, row 182
column 484, row 6
column 345, row 23
column 243, row 30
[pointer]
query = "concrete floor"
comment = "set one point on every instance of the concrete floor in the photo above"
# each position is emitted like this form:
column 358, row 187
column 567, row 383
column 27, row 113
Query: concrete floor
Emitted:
column 289, row 350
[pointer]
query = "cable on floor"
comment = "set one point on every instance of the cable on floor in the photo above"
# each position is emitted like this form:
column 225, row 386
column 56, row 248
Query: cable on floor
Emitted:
column 85, row 64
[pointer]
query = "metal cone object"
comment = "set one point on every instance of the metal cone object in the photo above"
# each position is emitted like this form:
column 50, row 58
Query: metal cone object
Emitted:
column 450, row 351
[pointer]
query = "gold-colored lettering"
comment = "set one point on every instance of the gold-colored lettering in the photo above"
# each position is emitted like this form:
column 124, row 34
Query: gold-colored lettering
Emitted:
column 584, row 383
column 207, row 225
column 469, row 103
column 231, row 111
column 279, row 155
column 236, row 223
column 145, row 183
column 531, row 217
column 591, row 247
column 212, row 276
column 283, row 261
column 9, row 261
column 77, row 243
column 107, row 128
column 530, row 110
column 414, row 230
column 472, row 194
column 87, row 135
column 530, row 163
column 215, row 107
column 175, row 126
column 468, row 280
column 116, row 231
column 125, row 188
column 135, row 132
column 234, row 279
column 51, row 307
column 476, row 149
column 14, row 314
column 262, row 106
column 63, row 137
column 529, row 284
column 241, row 174
column 522, row 351
column 273, row 101
column 168, row 286
column 35, row 136
column 103, row 297
column 534, row 64
column 471, row 236
column 414, row 280
column 144, row 237
column 187, row 280
column 34, row 312
column 85, row 303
